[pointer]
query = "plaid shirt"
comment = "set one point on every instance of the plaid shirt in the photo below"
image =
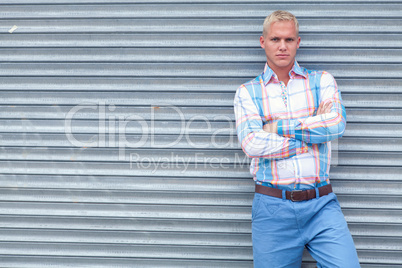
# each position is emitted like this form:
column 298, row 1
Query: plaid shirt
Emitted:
column 298, row 157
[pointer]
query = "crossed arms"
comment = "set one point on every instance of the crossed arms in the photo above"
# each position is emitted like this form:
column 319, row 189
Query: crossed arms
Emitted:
column 285, row 138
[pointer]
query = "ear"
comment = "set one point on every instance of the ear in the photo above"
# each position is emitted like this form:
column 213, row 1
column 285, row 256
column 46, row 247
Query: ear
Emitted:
column 262, row 42
column 298, row 41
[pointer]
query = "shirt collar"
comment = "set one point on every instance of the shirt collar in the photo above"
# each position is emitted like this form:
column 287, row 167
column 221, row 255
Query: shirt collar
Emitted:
column 268, row 73
column 299, row 70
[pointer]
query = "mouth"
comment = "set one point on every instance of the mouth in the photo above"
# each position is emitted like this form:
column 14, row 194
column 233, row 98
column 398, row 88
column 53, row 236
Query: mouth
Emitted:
column 282, row 55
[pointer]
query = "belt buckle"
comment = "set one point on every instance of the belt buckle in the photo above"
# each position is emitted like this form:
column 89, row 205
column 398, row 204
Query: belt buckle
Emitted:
column 291, row 195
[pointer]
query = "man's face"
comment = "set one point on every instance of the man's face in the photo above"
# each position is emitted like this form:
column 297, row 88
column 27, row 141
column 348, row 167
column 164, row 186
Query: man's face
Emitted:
column 280, row 44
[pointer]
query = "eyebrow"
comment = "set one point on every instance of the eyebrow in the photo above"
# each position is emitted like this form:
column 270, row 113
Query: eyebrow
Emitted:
column 288, row 37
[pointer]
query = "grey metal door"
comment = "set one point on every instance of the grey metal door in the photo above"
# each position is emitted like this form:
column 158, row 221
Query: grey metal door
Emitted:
column 118, row 145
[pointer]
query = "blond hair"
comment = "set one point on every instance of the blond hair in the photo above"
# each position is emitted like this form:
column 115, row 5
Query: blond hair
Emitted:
column 276, row 16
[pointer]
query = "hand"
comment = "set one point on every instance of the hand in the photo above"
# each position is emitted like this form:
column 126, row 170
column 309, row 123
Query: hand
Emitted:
column 271, row 127
column 324, row 108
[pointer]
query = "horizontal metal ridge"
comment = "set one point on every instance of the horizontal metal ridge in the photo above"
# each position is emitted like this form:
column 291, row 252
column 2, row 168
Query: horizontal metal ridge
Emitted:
column 163, row 238
column 22, row 146
column 131, row 84
column 363, row 174
column 197, row 10
column 94, row 101
column 120, row 169
column 167, row 157
column 126, row 224
column 167, row 225
column 126, row 237
column 121, row 250
column 314, row 40
column 65, row 261
column 373, row 258
column 113, row 197
column 297, row 2
column 138, row 133
column 372, row 130
column 192, row 55
column 377, row 183
column 127, row 210
column 147, row 251
column 32, row 261
column 194, row 25
column 351, row 144
column 187, row 70
column 204, row 167
column 375, row 230
column 93, row 182
column 169, row 113
column 374, row 186
column 374, row 115
column 372, row 215
column 127, row 197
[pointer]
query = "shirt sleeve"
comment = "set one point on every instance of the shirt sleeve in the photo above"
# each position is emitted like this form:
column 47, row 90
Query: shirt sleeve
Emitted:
column 255, row 142
column 321, row 128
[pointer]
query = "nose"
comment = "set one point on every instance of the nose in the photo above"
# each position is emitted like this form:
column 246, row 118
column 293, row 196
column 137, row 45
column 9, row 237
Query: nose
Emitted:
column 282, row 45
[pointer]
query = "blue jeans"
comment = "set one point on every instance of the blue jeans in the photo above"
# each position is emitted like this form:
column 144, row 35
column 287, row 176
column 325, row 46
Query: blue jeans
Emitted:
column 282, row 228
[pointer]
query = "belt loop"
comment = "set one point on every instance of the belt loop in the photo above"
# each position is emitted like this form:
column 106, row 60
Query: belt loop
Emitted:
column 317, row 193
column 284, row 195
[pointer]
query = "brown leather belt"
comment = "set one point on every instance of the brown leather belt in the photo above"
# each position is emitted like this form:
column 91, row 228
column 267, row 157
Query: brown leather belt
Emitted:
column 295, row 196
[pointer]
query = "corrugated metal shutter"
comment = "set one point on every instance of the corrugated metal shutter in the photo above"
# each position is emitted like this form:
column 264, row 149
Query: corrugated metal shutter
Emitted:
column 127, row 71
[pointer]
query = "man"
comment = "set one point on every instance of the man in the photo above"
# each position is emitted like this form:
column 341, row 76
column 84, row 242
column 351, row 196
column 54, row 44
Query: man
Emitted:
column 285, row 119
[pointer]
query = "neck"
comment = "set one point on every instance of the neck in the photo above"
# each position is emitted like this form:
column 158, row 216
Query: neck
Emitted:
column 283, row 73
column 284, row 78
